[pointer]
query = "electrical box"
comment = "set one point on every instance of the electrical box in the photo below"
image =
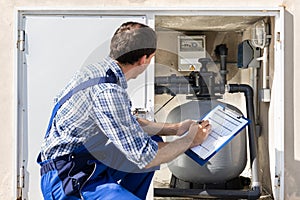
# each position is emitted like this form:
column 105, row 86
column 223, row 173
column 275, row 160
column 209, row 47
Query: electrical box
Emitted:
column 247, row 55
column 190, row 49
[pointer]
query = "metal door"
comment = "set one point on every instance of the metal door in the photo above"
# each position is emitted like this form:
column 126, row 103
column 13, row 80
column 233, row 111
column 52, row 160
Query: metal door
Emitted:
column 55, row 47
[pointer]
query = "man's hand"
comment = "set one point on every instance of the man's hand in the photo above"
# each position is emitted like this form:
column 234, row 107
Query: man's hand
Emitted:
column 199, row 132
column 184, row 126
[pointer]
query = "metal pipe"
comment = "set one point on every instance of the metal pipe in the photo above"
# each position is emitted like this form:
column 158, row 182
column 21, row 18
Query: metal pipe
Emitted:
column 254, row 193
column 176, row 89
column 223, row 51
column 173, row 79
column 265, row 68
column 265, row 92
column 248, row 92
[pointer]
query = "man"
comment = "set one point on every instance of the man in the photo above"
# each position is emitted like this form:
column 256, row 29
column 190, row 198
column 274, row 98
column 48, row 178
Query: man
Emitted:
column 94, row 147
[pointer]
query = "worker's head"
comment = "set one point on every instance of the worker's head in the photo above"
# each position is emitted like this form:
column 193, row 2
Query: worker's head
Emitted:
column 132, row 41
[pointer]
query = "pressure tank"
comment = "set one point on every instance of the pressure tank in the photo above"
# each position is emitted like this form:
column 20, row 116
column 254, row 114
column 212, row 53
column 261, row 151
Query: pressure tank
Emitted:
column 225, row 165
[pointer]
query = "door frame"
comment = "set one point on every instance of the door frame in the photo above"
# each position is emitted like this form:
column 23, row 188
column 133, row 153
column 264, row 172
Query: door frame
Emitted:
column 20, row 96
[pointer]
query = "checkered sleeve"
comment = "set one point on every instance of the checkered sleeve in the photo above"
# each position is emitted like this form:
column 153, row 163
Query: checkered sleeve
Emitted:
column 112, row 109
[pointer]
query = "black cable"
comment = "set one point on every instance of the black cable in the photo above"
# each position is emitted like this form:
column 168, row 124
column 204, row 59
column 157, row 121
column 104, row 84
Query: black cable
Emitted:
column 164, row 104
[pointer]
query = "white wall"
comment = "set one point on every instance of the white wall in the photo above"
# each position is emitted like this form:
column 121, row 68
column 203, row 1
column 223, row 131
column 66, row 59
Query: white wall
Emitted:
column 8, row 64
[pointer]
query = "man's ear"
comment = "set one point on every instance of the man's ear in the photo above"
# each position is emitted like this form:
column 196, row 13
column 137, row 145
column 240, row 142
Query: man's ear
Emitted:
column 143, row 60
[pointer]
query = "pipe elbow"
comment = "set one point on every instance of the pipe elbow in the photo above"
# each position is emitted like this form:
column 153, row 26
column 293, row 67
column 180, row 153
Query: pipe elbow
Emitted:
column 255, row 193
column 246, row 89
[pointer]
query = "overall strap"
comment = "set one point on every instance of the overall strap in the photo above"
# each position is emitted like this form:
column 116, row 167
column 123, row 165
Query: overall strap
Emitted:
column 109, row 78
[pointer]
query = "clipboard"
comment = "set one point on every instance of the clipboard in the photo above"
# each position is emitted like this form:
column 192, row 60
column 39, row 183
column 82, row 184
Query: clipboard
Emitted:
column 226, row 124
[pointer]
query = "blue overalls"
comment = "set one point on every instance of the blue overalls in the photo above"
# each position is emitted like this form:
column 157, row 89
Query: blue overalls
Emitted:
column 85, row 174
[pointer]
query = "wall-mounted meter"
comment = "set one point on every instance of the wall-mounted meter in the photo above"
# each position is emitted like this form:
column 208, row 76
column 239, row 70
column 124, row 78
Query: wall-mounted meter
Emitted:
column 190, row 49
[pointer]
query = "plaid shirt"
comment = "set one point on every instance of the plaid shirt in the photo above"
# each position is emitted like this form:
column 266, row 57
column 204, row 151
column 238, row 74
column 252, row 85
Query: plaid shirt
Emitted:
column 103, row 108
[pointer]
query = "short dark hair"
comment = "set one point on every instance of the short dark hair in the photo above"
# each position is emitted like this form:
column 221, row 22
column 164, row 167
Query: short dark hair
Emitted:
column 131, row 41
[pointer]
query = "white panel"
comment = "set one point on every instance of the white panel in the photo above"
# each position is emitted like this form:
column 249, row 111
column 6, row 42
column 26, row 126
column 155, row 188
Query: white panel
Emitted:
column 56, row 47
column 276, row 114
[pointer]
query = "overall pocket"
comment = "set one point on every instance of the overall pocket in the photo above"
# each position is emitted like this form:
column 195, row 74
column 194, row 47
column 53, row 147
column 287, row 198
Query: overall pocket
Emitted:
column 73, row 174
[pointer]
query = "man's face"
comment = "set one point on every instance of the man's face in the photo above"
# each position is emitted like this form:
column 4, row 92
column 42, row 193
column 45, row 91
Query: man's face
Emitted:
column 141, row 68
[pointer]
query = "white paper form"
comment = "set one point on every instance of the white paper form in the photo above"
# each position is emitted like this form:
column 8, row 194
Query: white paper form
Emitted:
column 225, row 124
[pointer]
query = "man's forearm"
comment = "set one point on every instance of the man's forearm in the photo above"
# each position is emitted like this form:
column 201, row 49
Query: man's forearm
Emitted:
column 162, row 129
column 168, row 151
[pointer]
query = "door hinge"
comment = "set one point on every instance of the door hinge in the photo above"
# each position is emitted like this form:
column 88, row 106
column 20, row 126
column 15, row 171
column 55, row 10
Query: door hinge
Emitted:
column 277, row 181
column 21, row 40
column 278, row 36
column 20, row 185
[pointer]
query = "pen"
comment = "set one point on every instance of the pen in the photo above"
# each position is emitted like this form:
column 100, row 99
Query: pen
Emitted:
column 199, row 122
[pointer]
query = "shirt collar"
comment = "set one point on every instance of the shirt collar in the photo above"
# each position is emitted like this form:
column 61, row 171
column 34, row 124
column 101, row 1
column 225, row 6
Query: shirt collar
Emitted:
column 113, row 65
